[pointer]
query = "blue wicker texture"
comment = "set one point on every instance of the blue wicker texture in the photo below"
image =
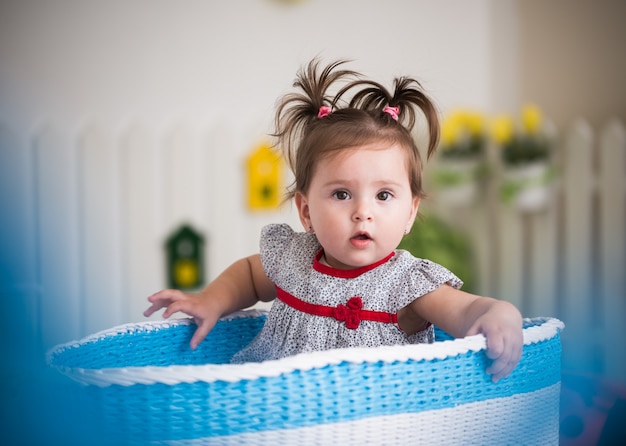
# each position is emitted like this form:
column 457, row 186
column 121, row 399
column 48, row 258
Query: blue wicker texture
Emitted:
column 343, row 392
column 135, row 345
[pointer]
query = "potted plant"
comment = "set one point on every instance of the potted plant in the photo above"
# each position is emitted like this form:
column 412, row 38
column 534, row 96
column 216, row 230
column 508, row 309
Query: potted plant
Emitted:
column 461, row 156
column 526, row 149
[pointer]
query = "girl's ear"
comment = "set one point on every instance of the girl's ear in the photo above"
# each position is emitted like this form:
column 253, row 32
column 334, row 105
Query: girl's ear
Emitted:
column 303, row 211
column 414, row 208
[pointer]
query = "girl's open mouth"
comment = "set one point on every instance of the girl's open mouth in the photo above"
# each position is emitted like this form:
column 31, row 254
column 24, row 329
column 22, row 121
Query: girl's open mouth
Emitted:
column 361, row 240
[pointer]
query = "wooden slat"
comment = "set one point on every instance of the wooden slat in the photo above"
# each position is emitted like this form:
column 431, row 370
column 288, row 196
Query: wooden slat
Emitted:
column 19, row 288
column 226, row 193
column 612, row 240
column 143, row 265
column 578, row 250
column 57, row 229
column 543, row 263
column 17, row 220
column 511, row 256
column 183, row 176
column 98, row 185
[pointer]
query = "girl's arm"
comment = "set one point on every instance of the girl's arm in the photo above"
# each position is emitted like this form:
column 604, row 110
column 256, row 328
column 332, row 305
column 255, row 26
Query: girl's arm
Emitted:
column 463, row 314
column 240, row 286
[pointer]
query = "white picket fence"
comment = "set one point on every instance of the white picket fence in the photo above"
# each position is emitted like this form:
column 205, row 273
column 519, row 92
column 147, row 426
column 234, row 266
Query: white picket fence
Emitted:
column 86, row 211
column 567, row 258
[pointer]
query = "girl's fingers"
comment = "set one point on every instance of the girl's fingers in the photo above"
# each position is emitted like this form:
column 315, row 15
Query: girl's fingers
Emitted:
column 156, row 306
column 167, row 295
column 163, row 299
column 175, row 301
column 504, row 364
column 200, row 333
column 183, row 306
column 150, row 311
column 495, row 346
column 500, row 368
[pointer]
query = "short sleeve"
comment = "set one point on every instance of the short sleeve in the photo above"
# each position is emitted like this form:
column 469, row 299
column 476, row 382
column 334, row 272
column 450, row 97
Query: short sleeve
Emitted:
column 283, row 250
column 433, row 275
column 420, row 276
column 274, row 241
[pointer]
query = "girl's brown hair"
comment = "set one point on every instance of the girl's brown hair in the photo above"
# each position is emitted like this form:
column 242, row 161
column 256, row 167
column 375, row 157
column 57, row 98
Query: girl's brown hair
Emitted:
column 306, row 138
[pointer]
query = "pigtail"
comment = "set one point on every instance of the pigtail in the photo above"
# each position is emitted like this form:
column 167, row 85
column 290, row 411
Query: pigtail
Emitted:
column 297, row 112
column 398, row 106
column 407, row 93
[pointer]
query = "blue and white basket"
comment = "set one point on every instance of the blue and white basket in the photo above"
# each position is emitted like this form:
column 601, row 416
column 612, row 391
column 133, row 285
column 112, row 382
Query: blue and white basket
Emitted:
column 147, row 386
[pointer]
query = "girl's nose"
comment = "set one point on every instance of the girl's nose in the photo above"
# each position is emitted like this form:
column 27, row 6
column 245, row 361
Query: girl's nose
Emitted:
column 362, row 213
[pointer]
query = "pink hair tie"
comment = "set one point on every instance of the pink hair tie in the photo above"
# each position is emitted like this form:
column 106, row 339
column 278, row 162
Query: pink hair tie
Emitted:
column 392, row 111
column 324, row 111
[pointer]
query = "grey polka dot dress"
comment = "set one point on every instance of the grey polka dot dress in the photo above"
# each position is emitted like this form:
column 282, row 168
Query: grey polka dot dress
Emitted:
column 291, row 261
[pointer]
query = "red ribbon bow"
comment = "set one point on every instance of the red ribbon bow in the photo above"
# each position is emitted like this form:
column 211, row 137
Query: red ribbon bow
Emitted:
column 350, row 313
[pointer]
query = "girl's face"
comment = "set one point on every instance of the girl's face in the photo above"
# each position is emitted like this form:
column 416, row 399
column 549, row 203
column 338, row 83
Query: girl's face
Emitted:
column 359, row 204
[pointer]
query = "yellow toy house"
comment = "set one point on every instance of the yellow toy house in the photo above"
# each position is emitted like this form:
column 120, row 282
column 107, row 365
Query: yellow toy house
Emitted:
column 264, row 172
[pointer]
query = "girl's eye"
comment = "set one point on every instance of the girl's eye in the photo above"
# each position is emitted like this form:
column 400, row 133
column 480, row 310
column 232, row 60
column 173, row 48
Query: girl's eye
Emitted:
column 341, row 195
column 384, row 195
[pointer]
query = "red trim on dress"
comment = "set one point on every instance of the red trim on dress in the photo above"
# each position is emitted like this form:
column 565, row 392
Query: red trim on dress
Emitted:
column 345, row 273
column 351, row 313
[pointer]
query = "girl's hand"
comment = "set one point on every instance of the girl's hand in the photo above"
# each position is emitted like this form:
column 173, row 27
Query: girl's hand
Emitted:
column 195, row 305
column 240, row 286
column 463, row 314
column 501, row 324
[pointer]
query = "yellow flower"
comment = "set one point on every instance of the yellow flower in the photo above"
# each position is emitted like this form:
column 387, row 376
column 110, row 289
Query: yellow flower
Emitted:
column 459, row 125
column 502, row 129
column 474, row 122
column 531, row 119
column 450, row 131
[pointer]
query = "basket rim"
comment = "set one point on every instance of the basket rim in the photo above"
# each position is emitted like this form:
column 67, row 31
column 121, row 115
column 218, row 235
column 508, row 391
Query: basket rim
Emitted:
column 540, row 329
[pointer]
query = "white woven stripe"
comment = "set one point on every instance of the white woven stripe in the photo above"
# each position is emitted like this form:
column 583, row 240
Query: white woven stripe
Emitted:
column 235, row 372
column 528, row 419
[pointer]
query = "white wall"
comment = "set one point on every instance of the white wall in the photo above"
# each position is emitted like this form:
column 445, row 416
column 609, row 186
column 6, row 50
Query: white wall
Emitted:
column 165, row 58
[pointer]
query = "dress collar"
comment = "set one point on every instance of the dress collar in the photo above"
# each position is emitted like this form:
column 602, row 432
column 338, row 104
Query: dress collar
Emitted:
column 345, row 273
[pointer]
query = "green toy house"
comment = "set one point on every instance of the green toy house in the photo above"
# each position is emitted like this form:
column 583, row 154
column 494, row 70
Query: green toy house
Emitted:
column 185, row 259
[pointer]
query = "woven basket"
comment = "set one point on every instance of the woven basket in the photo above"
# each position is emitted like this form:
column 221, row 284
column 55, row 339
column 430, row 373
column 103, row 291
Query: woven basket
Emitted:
column 147, row 386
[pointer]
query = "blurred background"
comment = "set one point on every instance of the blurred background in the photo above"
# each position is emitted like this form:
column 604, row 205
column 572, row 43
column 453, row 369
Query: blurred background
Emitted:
column 132, row 139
